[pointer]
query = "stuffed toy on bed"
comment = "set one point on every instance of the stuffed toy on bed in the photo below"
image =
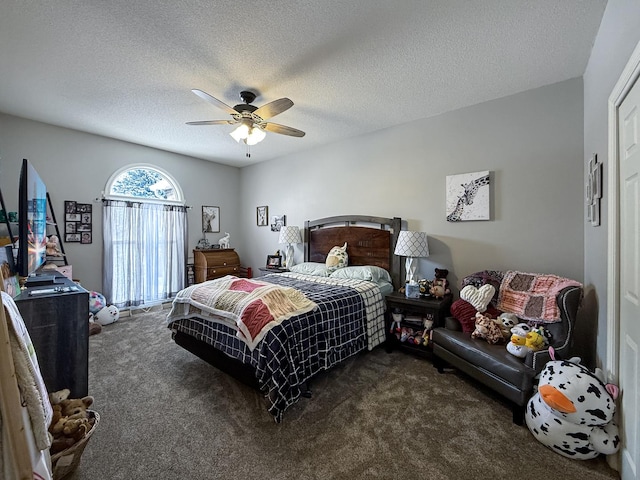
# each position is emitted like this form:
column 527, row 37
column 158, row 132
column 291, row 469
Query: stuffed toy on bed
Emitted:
column 573, row 409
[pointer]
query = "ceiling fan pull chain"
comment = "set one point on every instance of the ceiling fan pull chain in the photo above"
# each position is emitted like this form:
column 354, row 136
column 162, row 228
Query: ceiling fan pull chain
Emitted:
column 248, row 151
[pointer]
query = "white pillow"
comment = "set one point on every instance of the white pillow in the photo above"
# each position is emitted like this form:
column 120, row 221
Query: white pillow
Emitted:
column 311, row 268
column 363, row 272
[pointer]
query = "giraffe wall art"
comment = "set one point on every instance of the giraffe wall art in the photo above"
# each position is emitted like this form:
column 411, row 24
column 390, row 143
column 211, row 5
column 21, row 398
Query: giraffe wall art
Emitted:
column 468, row 197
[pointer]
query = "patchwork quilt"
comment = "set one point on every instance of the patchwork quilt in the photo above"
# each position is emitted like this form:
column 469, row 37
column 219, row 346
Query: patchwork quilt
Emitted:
column 253, row 306
column 532, row 296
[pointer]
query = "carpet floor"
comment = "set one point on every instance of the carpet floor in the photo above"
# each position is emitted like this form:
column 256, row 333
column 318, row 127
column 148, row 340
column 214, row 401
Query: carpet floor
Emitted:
column 166, row 414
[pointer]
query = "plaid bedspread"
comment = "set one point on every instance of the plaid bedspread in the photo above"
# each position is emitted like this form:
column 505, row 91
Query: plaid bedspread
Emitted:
column 348, row 319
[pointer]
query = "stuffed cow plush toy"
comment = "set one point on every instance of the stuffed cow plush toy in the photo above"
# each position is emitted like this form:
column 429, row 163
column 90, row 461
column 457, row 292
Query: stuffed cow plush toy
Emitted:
column 572, row 411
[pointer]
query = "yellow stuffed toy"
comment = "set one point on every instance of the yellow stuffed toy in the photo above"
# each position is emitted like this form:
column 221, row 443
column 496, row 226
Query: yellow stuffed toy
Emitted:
column 534, row 340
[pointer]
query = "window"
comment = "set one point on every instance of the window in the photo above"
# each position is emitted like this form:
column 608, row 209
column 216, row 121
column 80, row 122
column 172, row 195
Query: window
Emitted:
column 144, row 237
column 144, row 181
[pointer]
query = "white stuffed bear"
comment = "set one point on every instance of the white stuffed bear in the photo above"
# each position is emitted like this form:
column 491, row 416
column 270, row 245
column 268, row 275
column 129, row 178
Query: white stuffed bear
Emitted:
column 107, row 315
column 572, row 412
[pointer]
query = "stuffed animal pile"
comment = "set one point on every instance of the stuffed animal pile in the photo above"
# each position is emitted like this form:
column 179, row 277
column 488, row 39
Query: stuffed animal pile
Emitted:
column 572, row 411
column 101, row 313
column 70, row 422
column 525, row 339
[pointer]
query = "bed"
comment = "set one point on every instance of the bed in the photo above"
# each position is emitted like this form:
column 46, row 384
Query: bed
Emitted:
column 332, row 316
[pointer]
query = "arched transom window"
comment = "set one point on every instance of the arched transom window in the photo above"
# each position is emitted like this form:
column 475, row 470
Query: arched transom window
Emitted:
column 144, row 181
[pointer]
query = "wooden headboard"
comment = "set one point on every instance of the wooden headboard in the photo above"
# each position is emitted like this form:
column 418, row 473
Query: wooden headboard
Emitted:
column 370, row 241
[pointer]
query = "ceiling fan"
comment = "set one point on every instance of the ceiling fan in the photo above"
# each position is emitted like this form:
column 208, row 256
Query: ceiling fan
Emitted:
column 251, row 120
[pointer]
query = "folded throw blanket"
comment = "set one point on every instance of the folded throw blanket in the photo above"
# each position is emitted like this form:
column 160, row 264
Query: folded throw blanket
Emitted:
column 532, row 296
column 30, row 382
column 253, row 305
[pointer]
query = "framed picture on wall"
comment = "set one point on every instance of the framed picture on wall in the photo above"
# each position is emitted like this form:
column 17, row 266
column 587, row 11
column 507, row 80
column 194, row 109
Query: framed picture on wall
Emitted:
column 277, row 222
column 78, row 222
column 468, row 196
column 210, row 219
column 262, row 216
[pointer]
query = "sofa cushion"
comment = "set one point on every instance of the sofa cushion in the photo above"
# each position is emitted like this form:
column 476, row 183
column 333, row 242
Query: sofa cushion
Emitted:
column 478, row 297
column 491, row 358
column 485, row 277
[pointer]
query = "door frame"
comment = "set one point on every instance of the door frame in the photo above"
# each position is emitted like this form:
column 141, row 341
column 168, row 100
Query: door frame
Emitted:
column 629, row 75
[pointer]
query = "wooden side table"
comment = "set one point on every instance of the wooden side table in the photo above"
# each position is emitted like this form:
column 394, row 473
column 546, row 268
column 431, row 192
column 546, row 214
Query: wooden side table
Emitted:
column 417, row 315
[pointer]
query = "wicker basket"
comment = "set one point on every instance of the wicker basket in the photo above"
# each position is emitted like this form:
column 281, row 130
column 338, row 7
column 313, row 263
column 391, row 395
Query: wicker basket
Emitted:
column 66, row 461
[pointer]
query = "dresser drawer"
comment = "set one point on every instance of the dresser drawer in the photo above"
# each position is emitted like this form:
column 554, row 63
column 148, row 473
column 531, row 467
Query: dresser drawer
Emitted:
column 215, row 272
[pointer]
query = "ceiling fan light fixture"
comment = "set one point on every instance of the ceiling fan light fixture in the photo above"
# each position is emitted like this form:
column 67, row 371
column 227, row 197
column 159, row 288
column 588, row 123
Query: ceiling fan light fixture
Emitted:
column 240, row 133
column 251, row 121
column 256, row 135
column 248, row 133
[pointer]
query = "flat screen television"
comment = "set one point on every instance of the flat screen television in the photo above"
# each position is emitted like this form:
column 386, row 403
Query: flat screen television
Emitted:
column 32, row 221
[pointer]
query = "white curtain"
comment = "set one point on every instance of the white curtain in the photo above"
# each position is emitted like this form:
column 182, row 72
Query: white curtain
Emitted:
column 144, row 252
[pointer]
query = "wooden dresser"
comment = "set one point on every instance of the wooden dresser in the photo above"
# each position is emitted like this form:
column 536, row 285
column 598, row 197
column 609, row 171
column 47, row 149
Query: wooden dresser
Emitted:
column 215, row 263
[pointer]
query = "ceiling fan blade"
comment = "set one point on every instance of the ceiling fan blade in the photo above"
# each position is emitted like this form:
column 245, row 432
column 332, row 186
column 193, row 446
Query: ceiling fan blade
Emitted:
column 214, row 101
column 272, row 109
column 283, row 129
column 213, row 122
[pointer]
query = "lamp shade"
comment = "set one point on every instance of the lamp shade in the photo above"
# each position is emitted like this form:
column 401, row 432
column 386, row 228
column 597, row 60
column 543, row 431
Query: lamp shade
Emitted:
column 412, row 244
column 290, row 235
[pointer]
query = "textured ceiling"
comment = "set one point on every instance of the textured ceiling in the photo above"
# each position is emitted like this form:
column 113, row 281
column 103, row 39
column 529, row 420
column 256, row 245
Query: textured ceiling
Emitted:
column 125, row 68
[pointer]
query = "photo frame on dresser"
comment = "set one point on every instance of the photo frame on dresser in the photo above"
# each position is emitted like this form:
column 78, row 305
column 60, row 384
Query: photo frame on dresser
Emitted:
column 274, row 261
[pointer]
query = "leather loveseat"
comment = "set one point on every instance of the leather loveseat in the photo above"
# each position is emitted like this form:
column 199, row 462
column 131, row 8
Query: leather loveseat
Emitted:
column 493, row 365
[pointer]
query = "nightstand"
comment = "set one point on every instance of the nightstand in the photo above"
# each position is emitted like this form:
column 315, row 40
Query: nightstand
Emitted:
column 414, row 313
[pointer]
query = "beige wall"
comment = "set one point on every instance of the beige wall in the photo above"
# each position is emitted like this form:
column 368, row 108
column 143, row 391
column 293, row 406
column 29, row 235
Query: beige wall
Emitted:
column 76, row 166
column 531, row 142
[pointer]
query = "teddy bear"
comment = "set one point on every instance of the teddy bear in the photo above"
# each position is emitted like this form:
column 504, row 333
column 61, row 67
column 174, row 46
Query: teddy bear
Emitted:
column 440, row 285
column 52, row 247
column 70, row 421
column 487, row 329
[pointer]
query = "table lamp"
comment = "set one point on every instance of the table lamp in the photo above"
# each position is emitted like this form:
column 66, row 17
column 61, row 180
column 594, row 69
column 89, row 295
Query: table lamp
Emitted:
column 412, row 245
column 289, row 235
